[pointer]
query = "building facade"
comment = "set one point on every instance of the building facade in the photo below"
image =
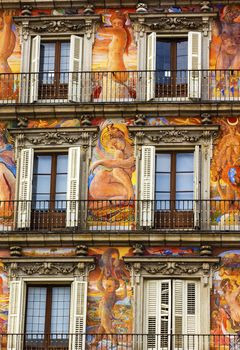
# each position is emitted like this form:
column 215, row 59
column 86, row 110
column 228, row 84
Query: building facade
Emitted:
column 119, row 175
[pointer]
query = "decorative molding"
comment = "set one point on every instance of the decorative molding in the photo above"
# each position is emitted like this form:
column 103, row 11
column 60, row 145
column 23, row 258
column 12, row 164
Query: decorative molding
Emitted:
column 45, row 138
column 172, row 22
column 49, row 267
column 77, row 24
column 201, row 267
column 162, row 135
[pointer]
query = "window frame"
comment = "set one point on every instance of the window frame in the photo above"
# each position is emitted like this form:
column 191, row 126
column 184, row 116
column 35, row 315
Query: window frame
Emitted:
column 48, row 307
column 53, row 176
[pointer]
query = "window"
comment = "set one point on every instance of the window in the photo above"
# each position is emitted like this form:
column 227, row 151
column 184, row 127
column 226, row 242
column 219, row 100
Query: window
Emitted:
column 50, row 181
column 49, row 186
column 170, row 188
column 47, row 313
column 174, row 180
column 47, row 309
column 54, row 68
column 173, row 66
column 172, row 313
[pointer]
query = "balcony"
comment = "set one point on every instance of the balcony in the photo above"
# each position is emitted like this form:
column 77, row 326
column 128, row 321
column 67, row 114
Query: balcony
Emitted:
column 120, row 87
column 119, row 341
column 108, row 215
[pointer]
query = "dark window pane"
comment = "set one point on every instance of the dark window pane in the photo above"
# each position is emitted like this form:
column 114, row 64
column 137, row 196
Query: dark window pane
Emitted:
column 36, row 309
column 42, row 164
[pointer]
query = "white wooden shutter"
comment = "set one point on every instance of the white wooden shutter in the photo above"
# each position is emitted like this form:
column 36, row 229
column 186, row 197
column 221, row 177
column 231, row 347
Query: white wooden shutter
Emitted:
column 147, row 186
column 151, row 65
column 194, row 64
column 75, row 68
column 25, row 188
column 158, row 311
column 185, row 314
column 197, row 187
column 35, row 61
column 78, row 312
column 73, row 181
column 14, row 341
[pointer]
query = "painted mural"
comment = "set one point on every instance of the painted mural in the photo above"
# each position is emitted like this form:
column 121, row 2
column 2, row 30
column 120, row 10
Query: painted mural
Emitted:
column 10, row 56
column 225, row 170
column 225, row 300
column 112, row 176
column 109, row 300
column 225, row 53
column 7, row 178
column 4, row 298
column 115, row 53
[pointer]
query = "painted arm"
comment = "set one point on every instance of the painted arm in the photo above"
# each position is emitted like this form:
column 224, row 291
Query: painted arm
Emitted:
column 114, row 163
column 124, row 293
column 100, row 284
column 8, row 39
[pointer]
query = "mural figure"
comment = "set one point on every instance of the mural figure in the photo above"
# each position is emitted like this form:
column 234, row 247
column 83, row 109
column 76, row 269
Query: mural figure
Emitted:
column 225, row 301
column 112, row 308
column 7, row 177
column 7, row 45
column 225, row 53
column 118, row 84
column 113, row 180
column 225, row 172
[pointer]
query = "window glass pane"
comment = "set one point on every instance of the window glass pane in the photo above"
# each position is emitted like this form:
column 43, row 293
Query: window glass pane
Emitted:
column 64, row 62
column 163, row 162
column 47, row 57
column 163, row 182
column 42, row 164
column 41, row 183
column 184, row 200
column 184, row 182
column 184, row 162
column 163, row 55
column 61, row 183
column 162, row 201
column 62, row 163
column 36, row 309
column 182, row 55
column 60, row 310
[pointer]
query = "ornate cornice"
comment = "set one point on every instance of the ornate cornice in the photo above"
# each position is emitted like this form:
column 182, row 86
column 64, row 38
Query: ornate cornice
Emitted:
column 43, row 138
column 48, row 267
column 182, row 135
column 56, row 24
column 174, row 266
column 172, row 22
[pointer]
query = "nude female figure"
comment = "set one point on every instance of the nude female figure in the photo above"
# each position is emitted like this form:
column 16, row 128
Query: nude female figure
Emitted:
column 121, row 40
column 231, row 294
column 114, row 183
column 7, row 44
column 109, row 299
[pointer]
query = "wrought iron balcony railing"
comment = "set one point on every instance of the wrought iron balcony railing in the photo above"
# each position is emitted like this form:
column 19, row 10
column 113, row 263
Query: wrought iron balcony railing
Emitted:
column 119, row 341
column 120, row 215
column 130, row 86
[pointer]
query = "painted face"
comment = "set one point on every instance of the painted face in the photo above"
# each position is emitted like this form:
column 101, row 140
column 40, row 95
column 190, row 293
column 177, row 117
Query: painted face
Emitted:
column 110, row 286
column 117, row 23
column 118, row 144
column 229, row 44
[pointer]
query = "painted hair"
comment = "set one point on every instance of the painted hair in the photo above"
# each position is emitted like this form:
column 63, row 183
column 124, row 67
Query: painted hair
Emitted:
column 123, row 18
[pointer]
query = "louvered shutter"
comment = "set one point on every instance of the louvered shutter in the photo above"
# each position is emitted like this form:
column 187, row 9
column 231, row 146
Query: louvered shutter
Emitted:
column 158, row 311
column 35, row 61
column 14, row 341
column 25, row 188
column 185, row 314
column 151, row 65
column 75, row 68
column 194, row 64
column 73, row 181
column 79, row 305
column 197, row 187
column 147, row 186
